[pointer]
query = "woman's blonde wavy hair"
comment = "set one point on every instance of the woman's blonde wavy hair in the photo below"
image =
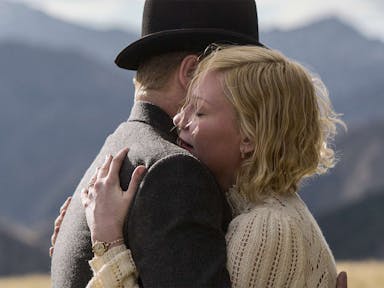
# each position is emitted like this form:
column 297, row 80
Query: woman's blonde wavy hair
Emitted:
column 284, row 111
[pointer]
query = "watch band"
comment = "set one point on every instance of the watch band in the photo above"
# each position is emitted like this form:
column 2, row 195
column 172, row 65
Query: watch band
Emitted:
column 100, row 247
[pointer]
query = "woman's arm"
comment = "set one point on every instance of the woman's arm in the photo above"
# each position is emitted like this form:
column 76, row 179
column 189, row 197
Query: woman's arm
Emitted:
column 113, row 269
column 106, row 206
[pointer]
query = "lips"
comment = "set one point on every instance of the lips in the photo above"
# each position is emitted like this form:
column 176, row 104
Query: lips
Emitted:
column 184, row 144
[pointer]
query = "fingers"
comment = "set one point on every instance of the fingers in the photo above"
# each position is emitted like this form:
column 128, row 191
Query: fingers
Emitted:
column 342, row 280
column 84, row 197
column 50, row 251
column 137, row 175
column 64, row 207
column 110, row 168
column 103, row 170
column 54, row 235
column 100, row 172
column 116, row 164
column 58, row 222
column 105, row 176
column 93, row 179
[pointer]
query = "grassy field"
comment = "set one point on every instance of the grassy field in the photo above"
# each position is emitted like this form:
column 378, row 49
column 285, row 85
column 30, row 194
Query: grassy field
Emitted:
column 367, row 274
column 28, row 281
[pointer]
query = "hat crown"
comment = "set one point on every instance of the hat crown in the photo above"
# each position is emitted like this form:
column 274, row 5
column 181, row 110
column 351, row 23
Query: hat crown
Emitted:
column 239, row 16
column 190, row 25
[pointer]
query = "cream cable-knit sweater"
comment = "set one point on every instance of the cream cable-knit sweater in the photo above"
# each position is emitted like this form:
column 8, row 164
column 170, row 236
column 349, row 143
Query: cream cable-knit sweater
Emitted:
column 274, row 244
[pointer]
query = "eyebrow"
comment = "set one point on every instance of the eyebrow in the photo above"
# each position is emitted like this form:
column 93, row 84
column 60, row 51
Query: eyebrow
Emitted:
column 202, row 100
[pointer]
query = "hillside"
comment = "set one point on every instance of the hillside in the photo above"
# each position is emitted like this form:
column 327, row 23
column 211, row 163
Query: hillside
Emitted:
column 56, row 110
column 350, row 65
column 359, row 172
column 38, row 29
column 357, row 231
column 19, row 254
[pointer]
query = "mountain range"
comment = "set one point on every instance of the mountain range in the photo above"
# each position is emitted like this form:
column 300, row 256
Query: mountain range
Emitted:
column 60, row 96
column 20, row 23
column 357, row 227
column 350, row 65
column 20, row 252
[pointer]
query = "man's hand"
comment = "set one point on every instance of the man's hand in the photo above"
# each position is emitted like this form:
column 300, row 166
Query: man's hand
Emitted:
column 58, row 222
column 341, row 280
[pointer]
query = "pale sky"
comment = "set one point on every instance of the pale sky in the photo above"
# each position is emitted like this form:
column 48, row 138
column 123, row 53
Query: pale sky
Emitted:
column 366, row 15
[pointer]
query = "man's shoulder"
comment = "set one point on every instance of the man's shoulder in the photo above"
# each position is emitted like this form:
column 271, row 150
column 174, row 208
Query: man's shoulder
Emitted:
column 178, row 187
column 182, row 178
column 181, row 165
column 147, row 144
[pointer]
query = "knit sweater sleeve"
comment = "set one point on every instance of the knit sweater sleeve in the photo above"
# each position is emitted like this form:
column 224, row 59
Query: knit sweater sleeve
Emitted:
column 265, row 249
column 115, row 269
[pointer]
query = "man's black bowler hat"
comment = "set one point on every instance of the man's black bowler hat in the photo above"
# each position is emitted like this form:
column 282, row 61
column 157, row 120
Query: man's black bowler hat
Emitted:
column 191, row 25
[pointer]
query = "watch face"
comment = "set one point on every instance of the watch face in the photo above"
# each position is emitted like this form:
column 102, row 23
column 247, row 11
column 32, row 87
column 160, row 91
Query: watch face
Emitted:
column 99, row 248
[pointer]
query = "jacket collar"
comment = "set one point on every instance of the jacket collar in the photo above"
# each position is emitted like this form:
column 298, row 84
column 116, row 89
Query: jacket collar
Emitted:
column 154, row 116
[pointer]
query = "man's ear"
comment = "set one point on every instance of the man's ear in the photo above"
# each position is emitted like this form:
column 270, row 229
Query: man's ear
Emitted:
column 186, row 69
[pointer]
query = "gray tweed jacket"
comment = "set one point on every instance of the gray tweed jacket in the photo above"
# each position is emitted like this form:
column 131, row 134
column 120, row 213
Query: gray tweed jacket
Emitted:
column 177, row 222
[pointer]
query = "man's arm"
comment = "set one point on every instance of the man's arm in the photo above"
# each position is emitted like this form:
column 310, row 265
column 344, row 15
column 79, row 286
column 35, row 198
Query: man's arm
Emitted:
column 69, row 267
column 175, row 226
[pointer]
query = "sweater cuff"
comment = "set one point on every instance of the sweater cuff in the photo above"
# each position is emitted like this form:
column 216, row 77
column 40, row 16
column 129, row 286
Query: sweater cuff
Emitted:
column 114, row 268
column 97, row 262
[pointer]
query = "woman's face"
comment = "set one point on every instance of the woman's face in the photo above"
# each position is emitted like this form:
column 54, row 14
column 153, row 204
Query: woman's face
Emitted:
column 210, row 131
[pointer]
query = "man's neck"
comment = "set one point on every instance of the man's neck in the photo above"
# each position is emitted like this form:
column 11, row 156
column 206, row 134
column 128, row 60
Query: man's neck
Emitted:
column 166, row 102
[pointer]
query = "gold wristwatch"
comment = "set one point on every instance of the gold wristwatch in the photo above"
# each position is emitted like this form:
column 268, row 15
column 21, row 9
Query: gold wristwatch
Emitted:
column 99, row 247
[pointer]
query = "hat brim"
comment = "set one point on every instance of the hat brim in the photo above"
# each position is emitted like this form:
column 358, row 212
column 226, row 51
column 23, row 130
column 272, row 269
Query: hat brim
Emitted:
column 193, row 40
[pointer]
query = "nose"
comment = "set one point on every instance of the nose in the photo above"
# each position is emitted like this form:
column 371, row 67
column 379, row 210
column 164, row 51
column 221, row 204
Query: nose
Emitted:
column 177, row 118
column 181, row 119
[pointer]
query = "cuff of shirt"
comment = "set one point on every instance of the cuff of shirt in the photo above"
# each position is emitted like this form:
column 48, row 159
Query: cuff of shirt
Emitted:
column 97, row 262
column 114, row 268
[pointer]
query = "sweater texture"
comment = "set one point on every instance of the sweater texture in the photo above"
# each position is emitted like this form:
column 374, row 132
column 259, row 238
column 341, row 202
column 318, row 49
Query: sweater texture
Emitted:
column 276, row 243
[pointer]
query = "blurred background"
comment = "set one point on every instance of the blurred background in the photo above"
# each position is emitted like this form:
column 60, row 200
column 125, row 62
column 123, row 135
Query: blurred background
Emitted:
column 61, row 95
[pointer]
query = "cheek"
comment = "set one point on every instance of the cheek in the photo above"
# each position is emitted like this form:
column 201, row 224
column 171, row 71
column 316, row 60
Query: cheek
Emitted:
column 203, row 134
column 217, row 147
